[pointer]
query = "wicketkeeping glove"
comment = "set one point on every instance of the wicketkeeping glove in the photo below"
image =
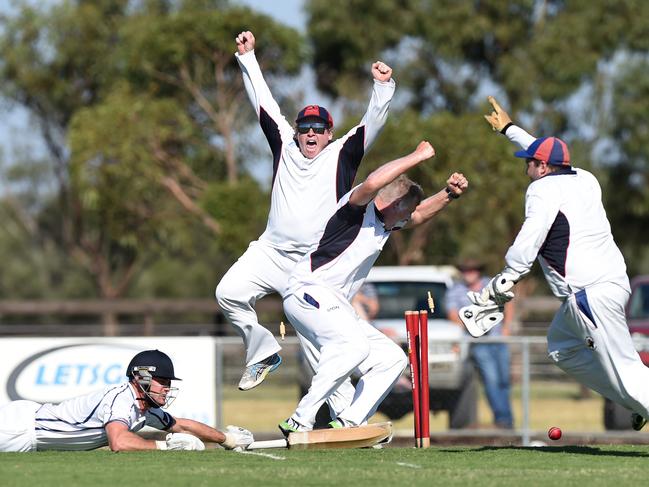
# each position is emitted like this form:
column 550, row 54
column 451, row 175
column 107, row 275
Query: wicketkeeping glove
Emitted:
column 180, row 441
column 498, row 119
column 497, row 291
column 237, row 437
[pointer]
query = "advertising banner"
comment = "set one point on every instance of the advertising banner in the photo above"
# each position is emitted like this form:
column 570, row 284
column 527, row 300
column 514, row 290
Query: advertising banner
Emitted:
column 54, row 369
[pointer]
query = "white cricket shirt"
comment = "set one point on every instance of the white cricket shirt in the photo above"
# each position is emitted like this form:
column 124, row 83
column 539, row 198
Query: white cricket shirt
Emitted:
column 566, row 228
column 305, row 192
column 79, row 423
column 349, row 245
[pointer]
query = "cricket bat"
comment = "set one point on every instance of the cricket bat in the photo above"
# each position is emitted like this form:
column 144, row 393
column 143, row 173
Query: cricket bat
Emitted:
column 355, row 437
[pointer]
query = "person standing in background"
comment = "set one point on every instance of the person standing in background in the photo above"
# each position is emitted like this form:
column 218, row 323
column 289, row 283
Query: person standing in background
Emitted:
column 491, row 359
column 366, row 302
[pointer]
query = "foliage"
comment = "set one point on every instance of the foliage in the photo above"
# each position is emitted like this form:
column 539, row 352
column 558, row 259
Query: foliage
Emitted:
column 554, row 65
column 140, row 105
column 146, row 125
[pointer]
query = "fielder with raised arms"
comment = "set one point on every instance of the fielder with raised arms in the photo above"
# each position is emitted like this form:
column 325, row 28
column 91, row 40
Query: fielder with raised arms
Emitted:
column 325, row 280
column 111, row 417
column 567, row 230
column 311, row 172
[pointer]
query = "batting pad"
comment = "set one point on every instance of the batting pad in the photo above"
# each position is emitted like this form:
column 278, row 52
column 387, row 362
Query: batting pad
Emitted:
column 478, row 320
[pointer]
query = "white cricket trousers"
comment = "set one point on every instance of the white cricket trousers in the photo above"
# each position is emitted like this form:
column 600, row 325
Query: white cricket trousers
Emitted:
column 346, row 344
column 260, row 271
column 590, row 340
column 17, row 423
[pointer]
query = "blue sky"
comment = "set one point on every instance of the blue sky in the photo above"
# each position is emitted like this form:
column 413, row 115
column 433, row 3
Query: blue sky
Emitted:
column 290, row 12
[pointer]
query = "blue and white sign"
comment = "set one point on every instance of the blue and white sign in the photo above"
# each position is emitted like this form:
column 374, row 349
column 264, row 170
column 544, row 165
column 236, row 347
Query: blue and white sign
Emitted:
column 51, row 370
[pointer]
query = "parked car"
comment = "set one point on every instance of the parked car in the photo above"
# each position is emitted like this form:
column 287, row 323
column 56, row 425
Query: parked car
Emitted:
column 618, row 417
column 451, row 373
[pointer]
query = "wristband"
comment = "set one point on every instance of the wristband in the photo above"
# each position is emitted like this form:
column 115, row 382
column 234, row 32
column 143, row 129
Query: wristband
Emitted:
column 504, row 129
column 451, row 194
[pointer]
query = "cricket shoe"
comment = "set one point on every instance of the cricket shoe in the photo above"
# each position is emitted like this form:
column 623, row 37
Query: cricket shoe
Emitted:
column 291, row 426
column 338, row 423
column 637, row 421
column 256, row 373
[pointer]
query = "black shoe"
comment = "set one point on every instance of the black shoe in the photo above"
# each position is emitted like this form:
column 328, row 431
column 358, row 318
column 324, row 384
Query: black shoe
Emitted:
column 637, row 421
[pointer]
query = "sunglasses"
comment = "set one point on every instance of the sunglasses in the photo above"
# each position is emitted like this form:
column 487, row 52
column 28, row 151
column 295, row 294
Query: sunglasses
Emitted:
column 318, row 127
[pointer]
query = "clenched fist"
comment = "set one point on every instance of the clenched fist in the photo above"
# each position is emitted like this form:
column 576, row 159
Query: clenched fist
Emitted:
column 381, row 71
column 424, row 150
column 456, row 184
column 245, row 42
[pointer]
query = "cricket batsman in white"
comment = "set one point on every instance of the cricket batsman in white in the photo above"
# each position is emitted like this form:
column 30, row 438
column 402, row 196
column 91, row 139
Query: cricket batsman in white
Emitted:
column 567, row 231
column 112, row 416
column 324, row 281
column 311, row 173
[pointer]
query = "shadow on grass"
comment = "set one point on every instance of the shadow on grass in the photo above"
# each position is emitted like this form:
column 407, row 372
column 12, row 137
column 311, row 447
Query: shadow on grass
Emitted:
column 578, row 450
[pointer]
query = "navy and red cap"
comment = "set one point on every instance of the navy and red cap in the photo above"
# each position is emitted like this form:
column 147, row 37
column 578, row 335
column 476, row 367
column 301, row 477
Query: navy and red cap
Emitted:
column 315, row 111
column 549, row 149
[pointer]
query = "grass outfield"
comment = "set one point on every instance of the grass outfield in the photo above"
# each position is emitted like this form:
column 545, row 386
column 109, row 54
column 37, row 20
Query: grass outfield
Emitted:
column 484, row 466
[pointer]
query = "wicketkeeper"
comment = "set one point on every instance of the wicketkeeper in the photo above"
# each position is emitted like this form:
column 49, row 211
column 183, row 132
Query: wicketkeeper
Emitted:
column 111, row 417
column 567, row 231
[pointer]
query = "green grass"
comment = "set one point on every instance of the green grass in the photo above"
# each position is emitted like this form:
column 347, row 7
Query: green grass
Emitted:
column 483, row 466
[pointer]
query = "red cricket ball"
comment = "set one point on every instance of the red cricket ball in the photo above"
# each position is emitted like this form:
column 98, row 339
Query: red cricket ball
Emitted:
column 554, row 433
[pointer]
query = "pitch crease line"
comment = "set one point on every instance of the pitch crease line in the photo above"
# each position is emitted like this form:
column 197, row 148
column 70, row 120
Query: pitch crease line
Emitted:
column 409, row 465
column 267, row 455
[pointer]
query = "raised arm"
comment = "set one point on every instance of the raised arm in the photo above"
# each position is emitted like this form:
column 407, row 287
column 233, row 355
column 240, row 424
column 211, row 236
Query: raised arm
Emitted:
column 456, row 184
column 270, row 117
column 357, row 140
column 501, row 122
column 377, row 110
column 388, row 172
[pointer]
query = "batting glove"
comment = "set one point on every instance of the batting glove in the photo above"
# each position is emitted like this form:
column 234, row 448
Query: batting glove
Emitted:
column 180, row 441
column 237, row 437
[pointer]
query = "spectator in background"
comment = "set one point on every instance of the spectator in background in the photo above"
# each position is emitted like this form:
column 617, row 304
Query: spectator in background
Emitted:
column 366, row 302
column 491, row 359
